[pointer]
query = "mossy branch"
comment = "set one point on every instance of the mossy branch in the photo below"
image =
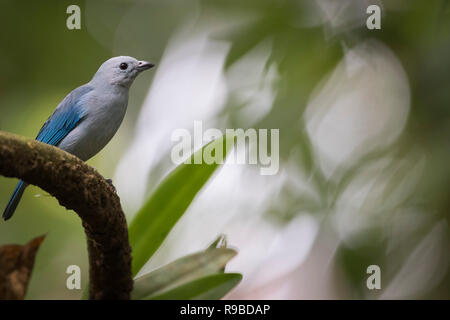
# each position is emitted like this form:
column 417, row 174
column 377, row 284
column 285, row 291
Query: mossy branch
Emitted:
column 82, row 189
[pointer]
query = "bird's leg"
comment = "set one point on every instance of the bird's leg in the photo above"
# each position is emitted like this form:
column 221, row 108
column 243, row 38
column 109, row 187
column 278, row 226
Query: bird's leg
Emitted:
column 111, row 184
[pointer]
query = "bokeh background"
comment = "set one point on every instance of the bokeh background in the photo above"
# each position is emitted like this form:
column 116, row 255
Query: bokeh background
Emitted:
column 364, row 135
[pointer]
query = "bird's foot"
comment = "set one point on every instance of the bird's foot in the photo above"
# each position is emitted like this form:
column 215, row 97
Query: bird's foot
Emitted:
column 111, row 184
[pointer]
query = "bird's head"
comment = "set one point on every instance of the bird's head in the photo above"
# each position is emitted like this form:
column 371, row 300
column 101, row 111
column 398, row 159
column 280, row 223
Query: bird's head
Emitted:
column 121, row 70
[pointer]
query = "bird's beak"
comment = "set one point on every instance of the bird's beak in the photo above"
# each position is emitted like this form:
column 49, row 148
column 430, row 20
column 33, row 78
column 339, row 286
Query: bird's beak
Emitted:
column 144, row 65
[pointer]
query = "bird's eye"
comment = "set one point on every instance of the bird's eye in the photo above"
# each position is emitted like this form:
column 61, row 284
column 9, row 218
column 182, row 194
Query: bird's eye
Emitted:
column 123, row 66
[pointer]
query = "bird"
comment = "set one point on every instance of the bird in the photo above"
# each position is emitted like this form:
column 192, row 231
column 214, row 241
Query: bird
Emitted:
column 88, row 117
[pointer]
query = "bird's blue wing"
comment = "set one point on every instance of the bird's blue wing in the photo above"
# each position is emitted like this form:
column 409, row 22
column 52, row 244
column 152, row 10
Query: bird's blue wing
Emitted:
column 65, row 118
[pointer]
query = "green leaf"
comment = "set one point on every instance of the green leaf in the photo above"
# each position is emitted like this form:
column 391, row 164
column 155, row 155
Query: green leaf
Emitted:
column 169, row 201
column 181, row 271
column 220, row 242
column 211, row 287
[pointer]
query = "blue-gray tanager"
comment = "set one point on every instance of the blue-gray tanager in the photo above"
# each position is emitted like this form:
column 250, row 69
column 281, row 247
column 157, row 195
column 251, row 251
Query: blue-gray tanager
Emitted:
column 88, row 117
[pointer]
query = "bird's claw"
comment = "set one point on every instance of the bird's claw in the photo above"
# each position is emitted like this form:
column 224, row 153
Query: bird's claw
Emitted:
column 111, row 184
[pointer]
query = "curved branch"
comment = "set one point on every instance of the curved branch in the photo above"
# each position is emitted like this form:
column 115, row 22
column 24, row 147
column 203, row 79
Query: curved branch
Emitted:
column 81, row 188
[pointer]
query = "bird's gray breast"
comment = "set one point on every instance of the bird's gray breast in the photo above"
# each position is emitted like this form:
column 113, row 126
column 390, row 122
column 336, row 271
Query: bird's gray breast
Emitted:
column 103, row 115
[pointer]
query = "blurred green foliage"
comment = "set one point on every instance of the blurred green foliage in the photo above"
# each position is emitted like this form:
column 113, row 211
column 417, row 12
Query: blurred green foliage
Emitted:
column 167, row 204
column 169, row 280
column 418, row 32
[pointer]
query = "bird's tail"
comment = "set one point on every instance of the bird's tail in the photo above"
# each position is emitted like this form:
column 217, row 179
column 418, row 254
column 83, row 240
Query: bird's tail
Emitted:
column 14, row 200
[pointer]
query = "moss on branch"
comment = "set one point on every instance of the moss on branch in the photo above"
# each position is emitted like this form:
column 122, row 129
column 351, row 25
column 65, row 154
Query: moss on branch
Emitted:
column 82, row 189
